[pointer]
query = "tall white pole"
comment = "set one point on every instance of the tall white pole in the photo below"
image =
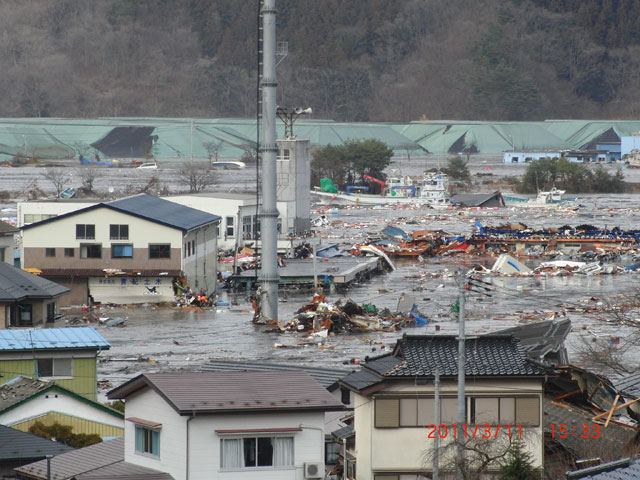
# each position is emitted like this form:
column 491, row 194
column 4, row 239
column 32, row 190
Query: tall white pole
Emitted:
column 268, row 148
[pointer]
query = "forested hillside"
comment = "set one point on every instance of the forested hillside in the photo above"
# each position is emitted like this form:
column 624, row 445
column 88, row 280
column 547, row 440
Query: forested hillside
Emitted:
column 350, row 60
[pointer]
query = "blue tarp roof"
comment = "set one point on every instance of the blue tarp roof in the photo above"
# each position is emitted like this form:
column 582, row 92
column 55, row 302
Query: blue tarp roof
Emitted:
column 52, row 339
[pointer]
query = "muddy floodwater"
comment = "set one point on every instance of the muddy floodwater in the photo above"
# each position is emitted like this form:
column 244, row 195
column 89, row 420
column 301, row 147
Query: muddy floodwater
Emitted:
column 167, row 338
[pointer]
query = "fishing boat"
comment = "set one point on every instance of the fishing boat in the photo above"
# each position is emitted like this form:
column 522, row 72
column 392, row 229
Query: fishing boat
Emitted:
column 544, row 199
column 228, row 165
column 432, row 189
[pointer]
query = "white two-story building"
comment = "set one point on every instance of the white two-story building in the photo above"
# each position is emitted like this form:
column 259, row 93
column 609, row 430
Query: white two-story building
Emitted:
column 227, row 425
column 125, row 251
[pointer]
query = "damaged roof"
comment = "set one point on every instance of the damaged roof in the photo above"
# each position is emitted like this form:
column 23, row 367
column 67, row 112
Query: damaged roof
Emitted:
column 616, row 437
column 539, row 340
column 223, row 392
column 419, row 355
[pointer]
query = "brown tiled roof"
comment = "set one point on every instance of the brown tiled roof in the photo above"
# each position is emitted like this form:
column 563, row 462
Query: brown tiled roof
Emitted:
column 102, row 460
column 220, row 392
column 96, row 272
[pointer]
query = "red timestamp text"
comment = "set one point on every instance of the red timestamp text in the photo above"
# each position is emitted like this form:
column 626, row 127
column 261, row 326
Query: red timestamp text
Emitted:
column 563, row 430
column 474, row 431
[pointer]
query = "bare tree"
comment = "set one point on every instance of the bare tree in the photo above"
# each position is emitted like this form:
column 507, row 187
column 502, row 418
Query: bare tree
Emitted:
column 197, row 178
column 481, row 455
column 58, row 177
column 612, row 355
column 88, row 176
column 213, row 150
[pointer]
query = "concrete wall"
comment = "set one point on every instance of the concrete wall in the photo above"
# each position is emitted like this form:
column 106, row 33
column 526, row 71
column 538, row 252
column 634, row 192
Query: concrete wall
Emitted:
column 200, row 267
column 294, row 180
column 29, row 212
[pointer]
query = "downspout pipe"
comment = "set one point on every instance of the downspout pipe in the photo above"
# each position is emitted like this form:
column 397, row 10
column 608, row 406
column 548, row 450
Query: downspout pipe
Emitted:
column 193, row 415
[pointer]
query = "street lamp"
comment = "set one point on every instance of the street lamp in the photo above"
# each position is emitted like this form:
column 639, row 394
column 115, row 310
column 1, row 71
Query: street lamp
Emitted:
column 288, row 116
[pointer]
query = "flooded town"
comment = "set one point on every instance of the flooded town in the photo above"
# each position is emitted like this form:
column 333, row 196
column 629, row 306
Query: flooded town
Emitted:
column 299, row 242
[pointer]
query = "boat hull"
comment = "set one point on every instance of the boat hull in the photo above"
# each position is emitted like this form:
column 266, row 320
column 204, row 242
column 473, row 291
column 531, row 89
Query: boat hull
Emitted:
column 360, row 199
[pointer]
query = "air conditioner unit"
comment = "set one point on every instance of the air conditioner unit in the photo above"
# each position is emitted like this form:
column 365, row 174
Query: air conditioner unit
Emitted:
column 314, row 470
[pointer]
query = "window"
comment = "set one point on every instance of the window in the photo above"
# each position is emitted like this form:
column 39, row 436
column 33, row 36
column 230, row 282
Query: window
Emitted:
column 250, row 452
column 49, row 252
column 332, row 451
column 387, row 413
column 54, row 367
column 119, row 232
column 25, row 315
column 147, row 441
column 506, row 411
column 193, row 247
column 69, row 252
column 121, row 251
column 91, row 251
column 230, row 227
column 35, row 217
column 419, row 412
column 85, row 232
column 159, row 250
column 51, row 312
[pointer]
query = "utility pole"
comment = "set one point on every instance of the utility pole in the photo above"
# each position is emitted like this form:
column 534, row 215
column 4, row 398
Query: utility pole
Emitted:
column 436, row 442
column 462, row 418
column 268, row 148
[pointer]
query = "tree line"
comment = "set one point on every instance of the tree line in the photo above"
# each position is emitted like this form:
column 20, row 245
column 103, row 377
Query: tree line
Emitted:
column 356, row 60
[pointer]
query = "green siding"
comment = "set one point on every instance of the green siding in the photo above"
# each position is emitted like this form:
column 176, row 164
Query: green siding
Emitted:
column 80, row 425
column 84, row 381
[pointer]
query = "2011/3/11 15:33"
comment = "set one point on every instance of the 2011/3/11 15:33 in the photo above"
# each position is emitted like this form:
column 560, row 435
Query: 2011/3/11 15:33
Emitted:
column 491, row 431
column 563, row 430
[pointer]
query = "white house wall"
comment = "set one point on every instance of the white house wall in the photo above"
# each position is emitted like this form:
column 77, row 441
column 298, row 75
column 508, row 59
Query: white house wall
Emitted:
column 148, row 405
column 205, row 454
column 204, row 442
column 56, row 401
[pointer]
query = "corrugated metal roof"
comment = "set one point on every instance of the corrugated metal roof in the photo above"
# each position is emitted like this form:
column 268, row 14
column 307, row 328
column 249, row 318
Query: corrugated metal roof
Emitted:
column 52, row 339
column 324, row 376
column 100, row 461
column 220, row 392
column 163, row 211
column 16, row 285
column 17, row 445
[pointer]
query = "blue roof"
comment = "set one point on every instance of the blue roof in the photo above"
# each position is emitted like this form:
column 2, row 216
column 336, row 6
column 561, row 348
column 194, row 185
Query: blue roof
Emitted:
column 163, row 211
column 52, row 339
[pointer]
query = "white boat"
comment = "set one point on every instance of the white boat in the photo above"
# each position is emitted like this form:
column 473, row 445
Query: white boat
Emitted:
column 229, row 165
column 430, row 190
column 553, row 198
